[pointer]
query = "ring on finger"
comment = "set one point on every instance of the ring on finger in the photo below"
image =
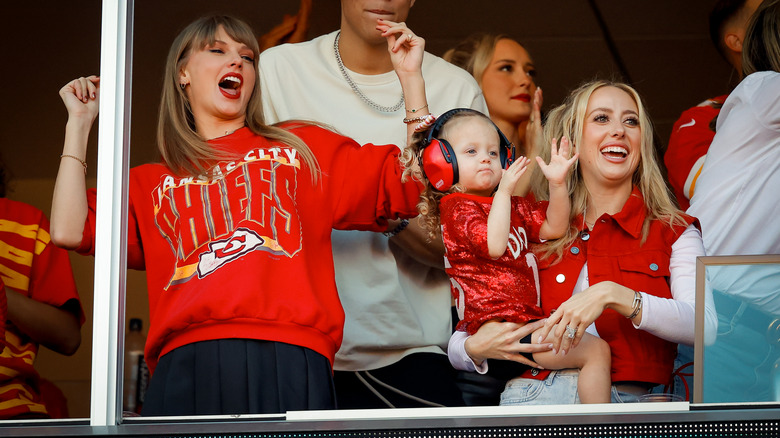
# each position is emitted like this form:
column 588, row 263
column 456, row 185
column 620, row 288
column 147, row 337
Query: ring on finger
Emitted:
column 571, row 332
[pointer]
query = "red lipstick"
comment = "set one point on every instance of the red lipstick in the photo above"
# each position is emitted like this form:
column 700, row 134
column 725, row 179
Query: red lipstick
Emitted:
column 230, row 85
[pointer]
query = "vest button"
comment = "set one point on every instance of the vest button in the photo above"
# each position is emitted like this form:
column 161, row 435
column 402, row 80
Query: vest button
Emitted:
column 653, row 267
column 560, row 278
column 575, row 250
column 585, row 236
column 534, row 372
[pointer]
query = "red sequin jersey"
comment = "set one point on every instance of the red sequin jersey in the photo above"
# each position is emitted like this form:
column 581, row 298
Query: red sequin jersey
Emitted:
column 506, row 288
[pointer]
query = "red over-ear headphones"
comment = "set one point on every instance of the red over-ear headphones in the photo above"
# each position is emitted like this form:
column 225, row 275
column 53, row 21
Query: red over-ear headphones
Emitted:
column 437, row 158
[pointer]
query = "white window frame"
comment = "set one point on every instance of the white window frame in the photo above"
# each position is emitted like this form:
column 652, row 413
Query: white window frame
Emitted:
column 112, row 206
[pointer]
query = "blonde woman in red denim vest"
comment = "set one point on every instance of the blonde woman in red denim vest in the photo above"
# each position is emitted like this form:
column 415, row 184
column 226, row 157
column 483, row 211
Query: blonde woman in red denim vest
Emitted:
column 625, row 271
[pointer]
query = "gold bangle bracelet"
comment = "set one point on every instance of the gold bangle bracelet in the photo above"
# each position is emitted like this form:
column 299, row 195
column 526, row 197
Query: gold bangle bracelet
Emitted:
column 412, row 111
column 83, row 163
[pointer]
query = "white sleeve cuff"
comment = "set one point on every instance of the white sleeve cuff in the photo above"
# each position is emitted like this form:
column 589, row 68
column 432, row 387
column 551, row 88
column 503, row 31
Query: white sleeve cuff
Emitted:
column 460, row 360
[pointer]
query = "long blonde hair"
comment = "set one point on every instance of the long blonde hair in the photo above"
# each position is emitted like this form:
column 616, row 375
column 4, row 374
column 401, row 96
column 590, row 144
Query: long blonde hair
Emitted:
column 568, row 120
column 761, row 45
column 184, row 151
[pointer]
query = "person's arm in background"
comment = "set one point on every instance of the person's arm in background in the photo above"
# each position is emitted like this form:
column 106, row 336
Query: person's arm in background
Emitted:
column 56, row 328
column 292, row 29
column 412, row 238
column 415, row 242
column 534, row 139
column 39, row 291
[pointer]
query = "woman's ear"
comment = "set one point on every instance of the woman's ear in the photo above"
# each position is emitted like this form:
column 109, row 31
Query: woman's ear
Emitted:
column 184, row 78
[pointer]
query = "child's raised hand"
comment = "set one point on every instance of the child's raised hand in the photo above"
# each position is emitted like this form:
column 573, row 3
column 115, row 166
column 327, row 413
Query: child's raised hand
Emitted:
column 406, row 49
column 559, row 166
column 511, row 176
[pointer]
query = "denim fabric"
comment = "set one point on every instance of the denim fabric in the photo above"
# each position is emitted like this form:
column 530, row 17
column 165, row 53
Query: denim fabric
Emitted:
column 739, row 365
column 682, row 383
column 559, row 388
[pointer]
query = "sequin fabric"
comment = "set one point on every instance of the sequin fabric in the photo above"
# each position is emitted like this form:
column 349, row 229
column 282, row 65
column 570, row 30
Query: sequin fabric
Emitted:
column 505, row 288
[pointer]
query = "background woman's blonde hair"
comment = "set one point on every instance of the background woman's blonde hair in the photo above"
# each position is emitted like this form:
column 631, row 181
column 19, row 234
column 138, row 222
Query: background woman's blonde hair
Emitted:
column 430, row 197
column 568, row 120
column 761, row 45
column 184, row 151
column 474, row 53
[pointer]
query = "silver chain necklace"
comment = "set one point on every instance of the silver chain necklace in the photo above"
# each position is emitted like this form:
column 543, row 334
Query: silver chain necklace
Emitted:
column 353, row 85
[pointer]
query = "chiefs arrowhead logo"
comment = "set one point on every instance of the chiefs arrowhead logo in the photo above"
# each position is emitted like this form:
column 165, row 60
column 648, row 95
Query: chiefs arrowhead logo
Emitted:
column 241, row 242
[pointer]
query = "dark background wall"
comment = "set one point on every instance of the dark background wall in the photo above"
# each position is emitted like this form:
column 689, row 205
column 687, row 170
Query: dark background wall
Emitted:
column 663, row 45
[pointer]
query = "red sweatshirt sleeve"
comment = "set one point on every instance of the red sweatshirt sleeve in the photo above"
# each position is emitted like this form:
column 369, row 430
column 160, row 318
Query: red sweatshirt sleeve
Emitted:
column 364, row 182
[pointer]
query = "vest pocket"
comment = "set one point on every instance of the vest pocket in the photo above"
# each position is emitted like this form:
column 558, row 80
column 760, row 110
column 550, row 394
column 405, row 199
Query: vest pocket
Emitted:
column 653, row 263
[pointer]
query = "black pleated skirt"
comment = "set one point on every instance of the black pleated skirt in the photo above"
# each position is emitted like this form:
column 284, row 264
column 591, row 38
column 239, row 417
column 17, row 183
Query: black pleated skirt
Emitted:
column 239, row 376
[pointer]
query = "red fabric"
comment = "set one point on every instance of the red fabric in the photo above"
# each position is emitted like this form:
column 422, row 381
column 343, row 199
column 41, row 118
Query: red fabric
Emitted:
column 54, row 399
column 505, row 288
column 690, row 140
column 248, row 253
column 613, row 253
column 3, row 308
column 31, row 265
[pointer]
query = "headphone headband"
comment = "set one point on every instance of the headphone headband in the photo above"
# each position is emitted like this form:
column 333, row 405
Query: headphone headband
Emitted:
column 437, row 158
column 507, row 148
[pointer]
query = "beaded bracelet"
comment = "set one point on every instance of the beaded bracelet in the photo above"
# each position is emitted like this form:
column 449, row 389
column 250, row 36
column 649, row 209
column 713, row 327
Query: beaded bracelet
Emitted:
column 398, row 228
column 425, row 123
column 409, row 120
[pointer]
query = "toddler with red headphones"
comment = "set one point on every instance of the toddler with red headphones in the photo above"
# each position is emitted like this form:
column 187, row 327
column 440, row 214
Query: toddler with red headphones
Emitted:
column 467, row 166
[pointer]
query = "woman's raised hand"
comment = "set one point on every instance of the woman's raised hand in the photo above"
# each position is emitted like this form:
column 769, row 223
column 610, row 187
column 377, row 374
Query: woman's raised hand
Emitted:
column 82, row 97
column 534, row 133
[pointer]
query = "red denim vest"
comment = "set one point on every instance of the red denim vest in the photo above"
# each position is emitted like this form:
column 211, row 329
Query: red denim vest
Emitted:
column 613, row 252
